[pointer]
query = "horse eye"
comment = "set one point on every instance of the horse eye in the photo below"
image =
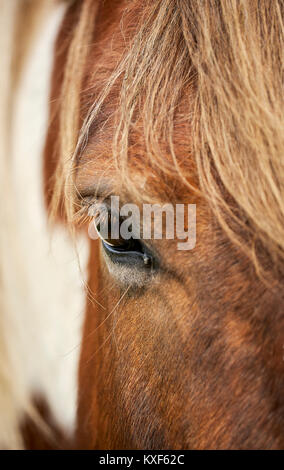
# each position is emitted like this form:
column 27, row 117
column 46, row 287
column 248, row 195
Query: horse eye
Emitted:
column 120, row 249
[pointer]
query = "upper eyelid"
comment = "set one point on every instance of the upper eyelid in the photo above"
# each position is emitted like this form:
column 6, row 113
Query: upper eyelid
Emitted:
column 90, row 207
column 86, row 202
column 100, row 188
column 90, row 200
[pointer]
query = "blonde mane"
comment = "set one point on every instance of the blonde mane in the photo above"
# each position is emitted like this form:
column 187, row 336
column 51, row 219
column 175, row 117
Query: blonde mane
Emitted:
column 226, row 59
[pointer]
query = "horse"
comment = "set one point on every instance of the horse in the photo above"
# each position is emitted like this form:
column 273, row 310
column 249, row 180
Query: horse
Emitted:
column 155, row 102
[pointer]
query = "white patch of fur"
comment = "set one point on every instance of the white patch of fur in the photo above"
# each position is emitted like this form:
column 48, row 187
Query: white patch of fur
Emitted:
column 13, row 398
column 48, row 311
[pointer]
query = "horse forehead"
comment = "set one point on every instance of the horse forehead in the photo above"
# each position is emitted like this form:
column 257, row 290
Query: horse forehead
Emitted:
column 115, row 27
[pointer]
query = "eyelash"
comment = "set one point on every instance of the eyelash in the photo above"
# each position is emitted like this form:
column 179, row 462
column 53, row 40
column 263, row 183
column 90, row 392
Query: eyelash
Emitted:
column 119, row 249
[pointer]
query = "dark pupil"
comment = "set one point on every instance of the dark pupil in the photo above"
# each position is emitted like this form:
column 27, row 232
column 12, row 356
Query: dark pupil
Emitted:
column 104, row 227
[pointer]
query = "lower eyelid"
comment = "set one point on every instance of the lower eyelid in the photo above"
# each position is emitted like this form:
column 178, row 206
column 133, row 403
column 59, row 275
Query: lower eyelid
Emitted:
column 130, row 272
column 141, row 258
column 126, row 275
column 138, row 260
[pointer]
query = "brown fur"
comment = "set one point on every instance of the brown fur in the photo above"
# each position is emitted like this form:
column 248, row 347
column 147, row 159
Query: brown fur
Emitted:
column 189, row 95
